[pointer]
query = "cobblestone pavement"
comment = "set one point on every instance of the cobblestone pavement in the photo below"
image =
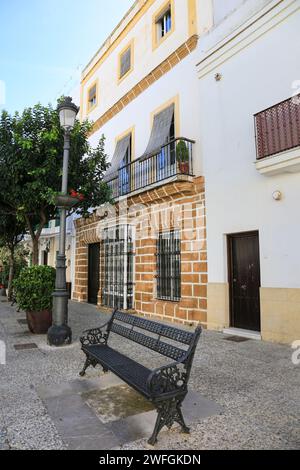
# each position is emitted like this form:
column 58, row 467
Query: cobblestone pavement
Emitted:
column 256, row 383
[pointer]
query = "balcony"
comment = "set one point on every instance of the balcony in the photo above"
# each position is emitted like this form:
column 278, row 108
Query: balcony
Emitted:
column 278, row 138
column 174, row 160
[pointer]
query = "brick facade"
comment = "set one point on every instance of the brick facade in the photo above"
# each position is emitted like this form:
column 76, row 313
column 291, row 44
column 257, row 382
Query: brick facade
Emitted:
column 177, row 205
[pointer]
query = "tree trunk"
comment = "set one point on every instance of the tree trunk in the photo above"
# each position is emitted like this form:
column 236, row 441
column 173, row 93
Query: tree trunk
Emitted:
column 11, row 273
column 35, row 251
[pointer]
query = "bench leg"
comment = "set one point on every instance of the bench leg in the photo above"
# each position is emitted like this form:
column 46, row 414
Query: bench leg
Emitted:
column 88, row 362
column 169, row 412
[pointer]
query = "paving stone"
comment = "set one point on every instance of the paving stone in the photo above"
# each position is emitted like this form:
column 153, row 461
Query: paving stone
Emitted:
column 255, row 384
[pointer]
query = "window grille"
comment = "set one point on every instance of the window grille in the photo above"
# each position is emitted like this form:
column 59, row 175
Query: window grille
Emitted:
column 117, row 267
column 169, row 266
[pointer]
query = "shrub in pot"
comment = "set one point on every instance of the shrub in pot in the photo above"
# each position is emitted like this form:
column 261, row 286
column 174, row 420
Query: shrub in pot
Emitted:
column 34, row 288
column 2, row 290
column 182, row 155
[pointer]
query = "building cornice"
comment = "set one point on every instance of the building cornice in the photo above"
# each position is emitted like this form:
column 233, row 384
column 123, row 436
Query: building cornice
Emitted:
column 216, row 52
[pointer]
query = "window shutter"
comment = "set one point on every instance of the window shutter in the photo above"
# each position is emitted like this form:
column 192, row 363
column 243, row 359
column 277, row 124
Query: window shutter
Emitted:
column 160, row 131
column 125, row 62
column 92, row 93
column 120, row 153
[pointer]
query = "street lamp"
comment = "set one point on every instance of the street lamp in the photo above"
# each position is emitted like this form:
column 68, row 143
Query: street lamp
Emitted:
column 60, row 333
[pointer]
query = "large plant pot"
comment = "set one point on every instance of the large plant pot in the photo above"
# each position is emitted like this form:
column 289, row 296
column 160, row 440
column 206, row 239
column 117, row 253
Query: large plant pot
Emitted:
column 184, row 168
column 39, row 322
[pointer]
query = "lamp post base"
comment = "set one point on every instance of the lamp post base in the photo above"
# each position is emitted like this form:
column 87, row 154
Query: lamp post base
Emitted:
column 59, row 335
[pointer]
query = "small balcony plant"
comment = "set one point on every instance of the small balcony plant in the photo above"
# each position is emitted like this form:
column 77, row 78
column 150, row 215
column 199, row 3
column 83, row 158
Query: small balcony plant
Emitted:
column 182, row 156
column 33, row 290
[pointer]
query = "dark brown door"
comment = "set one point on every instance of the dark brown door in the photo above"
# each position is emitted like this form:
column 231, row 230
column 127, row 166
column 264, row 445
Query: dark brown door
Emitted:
column 94, row 273
column 244, row 279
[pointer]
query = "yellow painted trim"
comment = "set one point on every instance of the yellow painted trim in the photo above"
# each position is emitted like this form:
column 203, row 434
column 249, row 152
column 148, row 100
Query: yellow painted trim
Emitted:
column 170, row 62
column 155, row 17
column 140, row 13
column 192, row 14
column 175, row 101
column 131, row 47
column 131, row 131
column 90, row 109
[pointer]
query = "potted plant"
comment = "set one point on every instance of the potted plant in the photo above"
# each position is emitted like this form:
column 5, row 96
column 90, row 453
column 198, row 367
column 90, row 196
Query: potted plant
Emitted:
column 33, row 289
column 182, row 156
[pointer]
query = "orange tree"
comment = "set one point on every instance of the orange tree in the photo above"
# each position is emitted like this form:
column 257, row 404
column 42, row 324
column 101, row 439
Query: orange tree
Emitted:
column 31, row 149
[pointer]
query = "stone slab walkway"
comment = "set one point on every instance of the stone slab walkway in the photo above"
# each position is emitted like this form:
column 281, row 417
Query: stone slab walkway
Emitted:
column 124, row 416
column 255, row 384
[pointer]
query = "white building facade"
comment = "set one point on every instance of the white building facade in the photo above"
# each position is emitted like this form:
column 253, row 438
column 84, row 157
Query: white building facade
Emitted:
column 141, row 90
column 248, row 73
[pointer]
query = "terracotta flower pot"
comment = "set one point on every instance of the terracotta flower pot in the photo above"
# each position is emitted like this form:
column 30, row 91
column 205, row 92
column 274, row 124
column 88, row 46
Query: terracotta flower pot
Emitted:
column 39, row 322
column 184, row 168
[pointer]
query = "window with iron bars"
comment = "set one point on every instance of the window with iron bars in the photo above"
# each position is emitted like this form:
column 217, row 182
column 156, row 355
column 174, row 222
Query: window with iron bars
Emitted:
column 117, row 267
column 169, row 266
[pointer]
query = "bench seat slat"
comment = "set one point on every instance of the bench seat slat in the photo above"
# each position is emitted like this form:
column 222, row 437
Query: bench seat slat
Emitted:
column 155, row 344
column 171, row 332
column 127, row 369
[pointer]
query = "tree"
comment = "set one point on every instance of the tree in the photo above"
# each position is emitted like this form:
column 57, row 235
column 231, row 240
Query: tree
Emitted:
column 11, row 234
column 31, row 149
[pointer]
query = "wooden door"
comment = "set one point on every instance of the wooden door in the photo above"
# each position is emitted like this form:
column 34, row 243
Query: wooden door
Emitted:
column 93, row 273
column 244, row 280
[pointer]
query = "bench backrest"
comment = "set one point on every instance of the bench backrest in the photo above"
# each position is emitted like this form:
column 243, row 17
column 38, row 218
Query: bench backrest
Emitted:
column 125, row 324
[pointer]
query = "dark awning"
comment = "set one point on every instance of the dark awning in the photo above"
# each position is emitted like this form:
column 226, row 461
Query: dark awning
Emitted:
column 119, row 155
column 160, row 131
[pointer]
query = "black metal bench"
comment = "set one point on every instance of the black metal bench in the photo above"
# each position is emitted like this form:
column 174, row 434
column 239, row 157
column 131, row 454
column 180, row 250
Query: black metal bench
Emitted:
column 165, row 386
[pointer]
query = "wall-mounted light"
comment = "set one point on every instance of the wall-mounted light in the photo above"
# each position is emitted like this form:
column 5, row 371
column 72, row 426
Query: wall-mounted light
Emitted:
column 277, row 195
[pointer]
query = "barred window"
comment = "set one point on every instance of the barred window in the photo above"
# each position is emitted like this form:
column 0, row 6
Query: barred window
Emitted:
column 169, row 266
column 117, row 267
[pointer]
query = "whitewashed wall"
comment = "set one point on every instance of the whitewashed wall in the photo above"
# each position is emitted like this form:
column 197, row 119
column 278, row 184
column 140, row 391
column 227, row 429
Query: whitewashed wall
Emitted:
column 182, row 81
column 256, row 73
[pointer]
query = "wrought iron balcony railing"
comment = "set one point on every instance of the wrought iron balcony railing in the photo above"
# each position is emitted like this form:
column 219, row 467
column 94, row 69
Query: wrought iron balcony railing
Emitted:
column 278, row 128
column 174, row 158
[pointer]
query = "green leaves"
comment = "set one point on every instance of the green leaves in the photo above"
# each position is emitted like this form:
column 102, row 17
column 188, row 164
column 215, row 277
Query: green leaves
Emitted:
column 34, row 288
column 31, row 158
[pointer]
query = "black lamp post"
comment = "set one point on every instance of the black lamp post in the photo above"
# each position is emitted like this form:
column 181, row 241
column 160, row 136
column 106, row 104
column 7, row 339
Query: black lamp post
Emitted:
column 60, row 333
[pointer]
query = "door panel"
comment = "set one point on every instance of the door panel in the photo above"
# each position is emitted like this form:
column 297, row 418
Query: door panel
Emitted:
column 244, row 279
column 94, row 273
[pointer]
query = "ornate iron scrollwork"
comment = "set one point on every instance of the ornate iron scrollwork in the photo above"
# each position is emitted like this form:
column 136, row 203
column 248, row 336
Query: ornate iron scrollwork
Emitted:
column 94, row 336
column 167, row 379
column 169, row 412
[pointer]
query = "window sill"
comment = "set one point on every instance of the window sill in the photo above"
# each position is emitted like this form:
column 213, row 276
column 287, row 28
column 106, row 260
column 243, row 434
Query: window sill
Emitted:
column 283, row 162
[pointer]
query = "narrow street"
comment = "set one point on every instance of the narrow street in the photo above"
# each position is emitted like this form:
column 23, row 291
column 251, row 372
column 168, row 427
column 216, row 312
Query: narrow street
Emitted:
column 255, row 384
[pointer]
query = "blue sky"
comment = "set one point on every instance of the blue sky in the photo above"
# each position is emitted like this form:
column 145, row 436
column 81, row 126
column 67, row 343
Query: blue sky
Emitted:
column 44, row 44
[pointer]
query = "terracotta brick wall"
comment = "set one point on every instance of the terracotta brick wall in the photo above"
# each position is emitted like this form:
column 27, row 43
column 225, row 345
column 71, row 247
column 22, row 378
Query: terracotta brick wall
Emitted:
column 179, row 205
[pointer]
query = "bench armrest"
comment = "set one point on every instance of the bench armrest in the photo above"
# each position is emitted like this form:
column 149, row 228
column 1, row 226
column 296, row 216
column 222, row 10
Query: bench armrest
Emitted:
column 167, row 379
column 95, row 335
